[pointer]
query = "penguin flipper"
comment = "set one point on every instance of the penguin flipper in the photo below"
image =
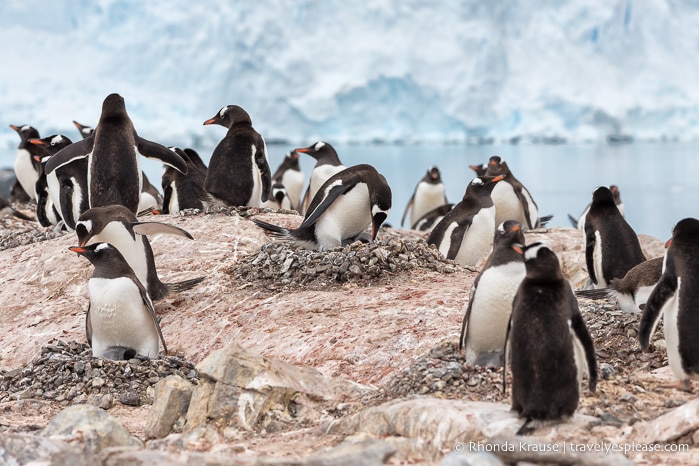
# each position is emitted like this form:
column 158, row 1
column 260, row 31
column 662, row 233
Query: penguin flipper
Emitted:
column 589, row 252
column 184, row 285
column 88, row 327
column 583, row 336
column 330, row 196
column 504, row 355
column 666, row 287
column 407, row 208
column 467, row 315
column 573, row 221
column 276, row 230
column 77, row 150
column 543, row 221
column 153, row 228
column 20, row 215
column 266, row 173
column 151, row 311
column 153, row 150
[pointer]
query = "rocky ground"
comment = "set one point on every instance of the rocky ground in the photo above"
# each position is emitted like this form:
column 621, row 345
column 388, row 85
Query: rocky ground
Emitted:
column 385, row 315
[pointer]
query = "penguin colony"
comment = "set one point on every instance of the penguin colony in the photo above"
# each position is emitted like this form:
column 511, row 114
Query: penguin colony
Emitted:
column 521, row 308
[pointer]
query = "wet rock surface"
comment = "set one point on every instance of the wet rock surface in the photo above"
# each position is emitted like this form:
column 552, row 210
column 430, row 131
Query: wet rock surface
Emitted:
column 66, row 373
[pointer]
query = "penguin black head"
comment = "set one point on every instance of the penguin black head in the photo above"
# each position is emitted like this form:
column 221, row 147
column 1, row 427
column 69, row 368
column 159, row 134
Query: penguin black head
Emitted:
column 603, row 196
column 228, row 116
column 52, row 143
column 85, row 131
column 113, row 106
column 541, row 263
column 479, row 169
column 497, row 166
column 278, row 192
column 321, row 151
column 686, row 231
column 380, row 197
column 26, row 132
column 103, row 253
column 433, row 175
column 508, row 233
column 93, row 221
column 482, row 184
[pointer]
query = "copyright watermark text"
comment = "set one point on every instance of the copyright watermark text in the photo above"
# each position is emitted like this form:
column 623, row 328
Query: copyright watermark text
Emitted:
column 572, row 447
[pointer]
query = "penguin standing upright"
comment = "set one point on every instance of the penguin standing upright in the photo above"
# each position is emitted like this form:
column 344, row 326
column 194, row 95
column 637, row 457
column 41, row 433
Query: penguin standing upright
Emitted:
column 341, row 211
column 290, row 176
column 180, row 189
column 118, row 226
column 429, row 194
column 633, row 290
column 48, row 212
column 551, row 347
column 676, row 298
column 580, row 221
column 490, row 304
column 511, row 198
column 238, row 173
column 120, row 321
column 114, row 174
column 466, row 231
column 611, row 246
column 327, row 164
column 27, row 169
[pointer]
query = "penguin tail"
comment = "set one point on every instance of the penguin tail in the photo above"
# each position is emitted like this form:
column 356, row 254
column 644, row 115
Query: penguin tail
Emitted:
column 597, row 293
column 528, row 427
column 573, row 221
column 542, row 221
column 184, row 285
column 275, row 230
column 20, row 215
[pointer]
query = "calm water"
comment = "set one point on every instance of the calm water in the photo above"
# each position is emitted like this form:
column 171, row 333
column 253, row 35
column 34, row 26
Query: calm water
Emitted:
column 657, row 181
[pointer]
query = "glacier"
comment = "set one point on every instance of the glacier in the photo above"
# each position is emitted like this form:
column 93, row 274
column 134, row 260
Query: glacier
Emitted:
column 388, row 71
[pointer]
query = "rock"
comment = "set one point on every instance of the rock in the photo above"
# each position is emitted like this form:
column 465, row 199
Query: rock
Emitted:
column 249, row 391
column 363, row 453
column 90, row 426
column 172, row 397
column 471, row 459
column 24, row 448
column 517, row 449
column 669, row 426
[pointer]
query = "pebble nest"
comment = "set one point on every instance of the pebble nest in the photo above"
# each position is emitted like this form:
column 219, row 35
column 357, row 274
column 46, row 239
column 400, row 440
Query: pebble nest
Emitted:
column 621, row 398
column 283, row 265
column 66, row 373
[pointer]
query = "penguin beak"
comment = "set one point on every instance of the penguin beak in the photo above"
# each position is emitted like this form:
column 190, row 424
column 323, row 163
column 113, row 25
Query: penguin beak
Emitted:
column 37, row 142
column 668, row 243
column 304, row 150
column 78, row 249
column 518, row 248
column 210, row 121
column 16, row 128
column 36, row 158
column 515, row 228
column 498, row 178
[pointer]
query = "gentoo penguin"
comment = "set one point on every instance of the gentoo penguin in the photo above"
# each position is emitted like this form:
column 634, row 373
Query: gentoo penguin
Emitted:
column 676, row 297
column 428, row 221
column 180, row 189
column 490, row 303
column 580, row 222
column 238, row 173
column 27, row 169
column 511, row 198
column 48, row 211
column 341, row 210
column 85, row 131
column 429, row 194
column 118, row 226
column 479, row 169
column 551, row 347
column 150, row 198
column 611, row 246
column 327, row 164
column 633, row 290
column 290, row 176
column 280, row 198
column 114, row 174
column 466, row 233
column 121, row 321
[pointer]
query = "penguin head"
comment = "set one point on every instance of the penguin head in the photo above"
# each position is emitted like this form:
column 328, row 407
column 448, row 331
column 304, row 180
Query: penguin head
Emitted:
column 278, row 192
column 603, row 196
column 322, row 152
column 85, row 131
column 497, row 166
column 52, row 143
column 26, row 132
column 479, row 169
column 482, row 185
column 96, row 252
column 433, row 175
column 541, row 263
column 93, row 221
column 686, row 230
column 230, row 115
column 380, row 197
column 508, row 233
column 113, row 106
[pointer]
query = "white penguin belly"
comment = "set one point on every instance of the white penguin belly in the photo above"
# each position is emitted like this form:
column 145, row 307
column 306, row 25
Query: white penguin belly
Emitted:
column 428, row 197
column 54, row 188
column 478, row 238
column 25, row 172
column 256, row 195
column 491, row 309
column 293, row 182
column 321, row 175
column 132, row 249
column 597, row 261
column 672, row 335
column 147, row 201
column 174, row 206
column 347, row 217
column 77, row 198
column 507, row 205
column 120, row 318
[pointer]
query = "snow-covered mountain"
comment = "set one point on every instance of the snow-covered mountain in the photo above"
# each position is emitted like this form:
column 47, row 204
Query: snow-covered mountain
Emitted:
column 384, row 70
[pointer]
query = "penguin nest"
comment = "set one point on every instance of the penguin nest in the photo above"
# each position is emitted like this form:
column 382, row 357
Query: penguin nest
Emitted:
column 67, row 373
column 282, row 265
